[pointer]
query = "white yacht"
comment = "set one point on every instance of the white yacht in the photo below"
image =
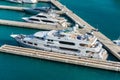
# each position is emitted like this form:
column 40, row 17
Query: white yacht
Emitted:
column 50, row 19
column 50, row 15
column 64, row 41
column 23, row 1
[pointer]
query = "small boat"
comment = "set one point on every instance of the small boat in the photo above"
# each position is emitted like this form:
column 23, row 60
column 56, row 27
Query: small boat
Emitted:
column 117, row 42
column 23, row 1
column 38, row 10
column 66, row 41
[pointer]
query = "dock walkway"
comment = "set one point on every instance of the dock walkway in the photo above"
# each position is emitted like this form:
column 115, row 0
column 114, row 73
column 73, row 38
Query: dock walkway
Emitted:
column 30, row 25
column 107, row 65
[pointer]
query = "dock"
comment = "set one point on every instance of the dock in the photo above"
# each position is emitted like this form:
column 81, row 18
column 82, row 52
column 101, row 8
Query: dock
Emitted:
column 108, row 44
column 30, row 25
column 11, row 8
column 4, row 7
column 102, row 64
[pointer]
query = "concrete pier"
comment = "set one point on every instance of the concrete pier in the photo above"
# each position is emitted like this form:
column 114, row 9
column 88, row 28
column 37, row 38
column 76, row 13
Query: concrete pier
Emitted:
column 11, row 8
column 107, row 65
column 22, row 9
column 30, row 25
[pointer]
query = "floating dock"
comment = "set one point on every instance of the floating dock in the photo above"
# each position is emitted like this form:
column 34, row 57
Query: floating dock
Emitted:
column 30, row 25
column 107, row 65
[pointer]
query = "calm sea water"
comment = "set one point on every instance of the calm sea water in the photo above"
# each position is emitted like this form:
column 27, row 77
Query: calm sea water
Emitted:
column 104, row 15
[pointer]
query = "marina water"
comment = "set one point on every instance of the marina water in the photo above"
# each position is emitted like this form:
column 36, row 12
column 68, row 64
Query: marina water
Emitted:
column 104, row 15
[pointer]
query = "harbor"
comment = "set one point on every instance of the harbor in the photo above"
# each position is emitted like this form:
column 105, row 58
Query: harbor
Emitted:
column 64, row 58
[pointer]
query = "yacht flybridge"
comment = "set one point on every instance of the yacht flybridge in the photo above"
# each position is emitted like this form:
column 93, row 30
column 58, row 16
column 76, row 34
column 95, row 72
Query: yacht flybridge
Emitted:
column 64, row 41
column 23, row 1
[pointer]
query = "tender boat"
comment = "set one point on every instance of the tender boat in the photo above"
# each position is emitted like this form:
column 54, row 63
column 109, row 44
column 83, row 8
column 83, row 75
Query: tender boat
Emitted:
column 43, row 18
column 117, row 42
column 38, row 10
column 23, row 1
column 64, row 41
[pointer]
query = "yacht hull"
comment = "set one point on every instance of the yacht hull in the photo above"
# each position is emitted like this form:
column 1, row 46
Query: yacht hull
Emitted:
column 23, row 1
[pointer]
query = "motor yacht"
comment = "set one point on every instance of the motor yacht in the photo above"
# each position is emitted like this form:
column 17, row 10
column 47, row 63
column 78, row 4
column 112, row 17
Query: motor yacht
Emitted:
column 67, row 41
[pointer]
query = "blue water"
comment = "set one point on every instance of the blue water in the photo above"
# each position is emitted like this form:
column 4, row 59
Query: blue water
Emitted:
column 104, row 15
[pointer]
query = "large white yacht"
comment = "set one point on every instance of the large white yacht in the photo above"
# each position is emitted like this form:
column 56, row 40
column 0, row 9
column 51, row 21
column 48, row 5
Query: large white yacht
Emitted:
column 23, row 1
column 51, row 19
column 64, row 41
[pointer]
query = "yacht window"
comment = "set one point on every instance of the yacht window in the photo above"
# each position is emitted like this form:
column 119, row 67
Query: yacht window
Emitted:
column 68, row 43
column 40, row 38
column 34, row 19
column 35, row 44
column 84, row 45
column 50, row 40
column 30, row 43
column 47, row 45
column 47, row 21
column 24, row 41
column 68, row 49
column 118, row 52
column 114, row 42
column 41, row 16
column 89, row 52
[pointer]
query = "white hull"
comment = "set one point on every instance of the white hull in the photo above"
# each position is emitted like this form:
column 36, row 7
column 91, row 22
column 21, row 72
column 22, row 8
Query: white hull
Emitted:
column 49, row 21
column 23, row 1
